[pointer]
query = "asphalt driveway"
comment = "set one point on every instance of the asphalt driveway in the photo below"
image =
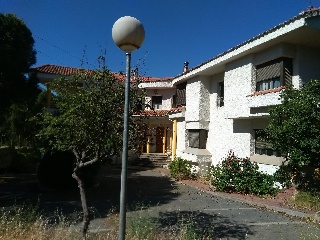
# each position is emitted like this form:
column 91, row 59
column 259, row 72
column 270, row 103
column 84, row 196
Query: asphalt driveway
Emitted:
column 163, row 200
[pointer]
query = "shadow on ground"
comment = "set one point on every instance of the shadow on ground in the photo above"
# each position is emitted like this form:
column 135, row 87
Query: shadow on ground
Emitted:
column 203, row 224
column 145, row 188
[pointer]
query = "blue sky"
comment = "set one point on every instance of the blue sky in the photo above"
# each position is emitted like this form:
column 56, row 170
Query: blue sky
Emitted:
column 76, row 32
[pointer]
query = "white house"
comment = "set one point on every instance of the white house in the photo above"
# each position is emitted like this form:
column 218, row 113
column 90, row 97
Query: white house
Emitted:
column 221, row 104
column 227, row 97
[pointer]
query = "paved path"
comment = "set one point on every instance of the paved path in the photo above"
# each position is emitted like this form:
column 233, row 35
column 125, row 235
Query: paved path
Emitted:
column 168, row 204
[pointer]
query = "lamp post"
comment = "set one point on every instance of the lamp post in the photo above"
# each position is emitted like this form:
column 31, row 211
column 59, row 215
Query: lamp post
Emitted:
column 128, row 35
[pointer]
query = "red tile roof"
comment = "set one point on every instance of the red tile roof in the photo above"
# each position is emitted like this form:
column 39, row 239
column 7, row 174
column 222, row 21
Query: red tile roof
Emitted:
column 274, row 90
column 67, row 71
column 177, row 109
column 156, row 112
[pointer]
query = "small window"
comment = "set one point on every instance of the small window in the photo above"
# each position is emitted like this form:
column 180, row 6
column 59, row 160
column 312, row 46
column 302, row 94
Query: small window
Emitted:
column 262, row 147
column 274, row 74
column 181, row 94
column 197, row 138
column 220, row 100
column 156, row 102
column 174, row 101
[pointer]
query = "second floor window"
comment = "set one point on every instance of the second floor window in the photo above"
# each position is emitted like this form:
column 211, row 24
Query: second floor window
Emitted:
column 220, row 102
column 274, row 74
column 181, row 94
column 156, row 102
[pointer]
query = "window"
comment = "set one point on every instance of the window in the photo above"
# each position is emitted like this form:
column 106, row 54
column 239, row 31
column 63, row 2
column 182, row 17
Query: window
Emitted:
column 197, row 138
column 181, row 94
column 263, row 147
column 156, row 102
column 174, row 101
column 220, row 100
column 274, row 74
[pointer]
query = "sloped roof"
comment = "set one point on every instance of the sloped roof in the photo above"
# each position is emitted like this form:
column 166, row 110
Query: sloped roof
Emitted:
column 313, row 12
column 67, row 71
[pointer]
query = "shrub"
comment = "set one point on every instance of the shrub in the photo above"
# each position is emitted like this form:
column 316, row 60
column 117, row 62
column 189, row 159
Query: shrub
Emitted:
column 240, row 175
column 180, row 169
column 56, row 168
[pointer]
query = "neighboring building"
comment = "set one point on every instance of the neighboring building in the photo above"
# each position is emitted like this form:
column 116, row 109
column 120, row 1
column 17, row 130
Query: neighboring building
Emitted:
column 222, row 103
column 157, row 104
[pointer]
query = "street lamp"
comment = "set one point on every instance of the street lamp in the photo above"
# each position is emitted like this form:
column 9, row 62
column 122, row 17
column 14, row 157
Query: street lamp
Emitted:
column 128, row 35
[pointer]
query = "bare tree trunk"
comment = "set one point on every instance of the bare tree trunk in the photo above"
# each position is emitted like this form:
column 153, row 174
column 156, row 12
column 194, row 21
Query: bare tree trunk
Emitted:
column 85, row 219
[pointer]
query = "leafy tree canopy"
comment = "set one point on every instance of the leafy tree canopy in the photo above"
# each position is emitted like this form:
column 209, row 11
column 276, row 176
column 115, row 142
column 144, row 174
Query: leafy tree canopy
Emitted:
column 18, row 94
column 89, row 121
column 294, row 127
column 17, row 55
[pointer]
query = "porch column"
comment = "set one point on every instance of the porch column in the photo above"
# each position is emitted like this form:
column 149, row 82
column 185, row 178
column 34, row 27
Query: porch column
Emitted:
column 164, row 139
column 174, row 139
column 148, row 139
column 48, row 97
column 170, row 141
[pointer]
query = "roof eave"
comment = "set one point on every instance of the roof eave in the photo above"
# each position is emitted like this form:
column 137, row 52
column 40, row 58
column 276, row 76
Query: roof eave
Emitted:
column 247, row 46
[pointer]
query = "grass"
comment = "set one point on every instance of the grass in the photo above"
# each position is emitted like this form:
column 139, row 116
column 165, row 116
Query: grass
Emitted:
column 25, row 222
column 306, row 200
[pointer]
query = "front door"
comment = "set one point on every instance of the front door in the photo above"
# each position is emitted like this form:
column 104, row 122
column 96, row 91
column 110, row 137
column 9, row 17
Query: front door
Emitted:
column 159, row 139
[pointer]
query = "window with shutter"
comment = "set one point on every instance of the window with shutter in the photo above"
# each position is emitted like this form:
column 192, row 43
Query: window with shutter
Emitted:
column 274, row 74
column 181, row 94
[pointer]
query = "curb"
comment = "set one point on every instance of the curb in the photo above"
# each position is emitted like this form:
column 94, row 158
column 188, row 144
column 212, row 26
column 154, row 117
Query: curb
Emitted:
column 288, row 212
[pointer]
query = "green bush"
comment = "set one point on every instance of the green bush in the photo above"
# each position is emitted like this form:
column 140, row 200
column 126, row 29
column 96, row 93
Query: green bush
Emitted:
column 56, row 168
column 240, row 175
column 180, row 169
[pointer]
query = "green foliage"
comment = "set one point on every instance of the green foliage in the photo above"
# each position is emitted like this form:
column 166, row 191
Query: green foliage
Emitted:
column 17, row 56
column 240, row 175
column 180, row 169
column 90, row 116
column 141, row 227
column 307, row 200
column 17, row 219
column 89, row 123
column 294, row 130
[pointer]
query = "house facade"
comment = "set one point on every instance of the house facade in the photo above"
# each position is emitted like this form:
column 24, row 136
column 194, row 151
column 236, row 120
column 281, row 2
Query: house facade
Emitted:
column 222, row 104
column 227, row 97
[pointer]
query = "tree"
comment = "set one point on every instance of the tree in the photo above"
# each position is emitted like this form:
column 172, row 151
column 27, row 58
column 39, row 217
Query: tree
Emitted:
column 89, row 122
column 17, row 55
column 294, row 130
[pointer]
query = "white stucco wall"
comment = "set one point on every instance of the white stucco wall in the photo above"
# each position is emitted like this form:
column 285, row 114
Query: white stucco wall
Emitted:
column 308, row 63
column 193, row 89
column 166, row 96
column 181, row 136
column 232, row 125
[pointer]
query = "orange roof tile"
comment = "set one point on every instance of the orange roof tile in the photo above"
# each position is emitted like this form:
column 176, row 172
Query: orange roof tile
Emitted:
column 67, row 71
column 156, row 112
column 274, row 90
column 177, row 109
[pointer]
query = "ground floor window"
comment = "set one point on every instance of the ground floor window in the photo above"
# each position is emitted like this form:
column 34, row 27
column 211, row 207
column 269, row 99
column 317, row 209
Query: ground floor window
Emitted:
column 197, row 138
column 263, row 147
